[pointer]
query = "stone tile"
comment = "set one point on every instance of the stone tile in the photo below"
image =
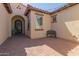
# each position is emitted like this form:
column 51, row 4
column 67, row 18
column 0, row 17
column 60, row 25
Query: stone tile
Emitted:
column 20, row 45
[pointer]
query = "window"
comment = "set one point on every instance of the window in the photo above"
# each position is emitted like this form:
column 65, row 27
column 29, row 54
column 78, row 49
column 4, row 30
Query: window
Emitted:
column 54, row 19
column 39, row 22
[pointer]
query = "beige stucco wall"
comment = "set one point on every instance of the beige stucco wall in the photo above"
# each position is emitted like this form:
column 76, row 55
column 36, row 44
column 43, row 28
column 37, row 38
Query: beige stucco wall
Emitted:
column 16, row 10
column 29, row 21
column 10, row 23
column 67, row 25
column 20, row 12
column 46, row 25
column 4, row 24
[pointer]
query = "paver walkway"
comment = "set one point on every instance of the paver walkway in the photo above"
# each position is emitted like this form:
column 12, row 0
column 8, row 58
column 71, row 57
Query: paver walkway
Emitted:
column 22, row 46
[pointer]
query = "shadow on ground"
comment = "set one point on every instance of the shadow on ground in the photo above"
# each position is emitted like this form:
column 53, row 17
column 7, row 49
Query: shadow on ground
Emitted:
column 15, row 45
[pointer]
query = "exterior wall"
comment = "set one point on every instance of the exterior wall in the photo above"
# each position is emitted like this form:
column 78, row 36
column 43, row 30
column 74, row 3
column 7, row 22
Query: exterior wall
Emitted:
column 16, row 10
column 10, row 23
column 28, row 22
column 67, row 25
column 46, row 25
column 4, row 24
column 20, row 12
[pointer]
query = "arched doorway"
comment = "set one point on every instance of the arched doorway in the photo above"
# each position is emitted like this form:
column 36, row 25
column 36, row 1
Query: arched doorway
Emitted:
column 18, row 25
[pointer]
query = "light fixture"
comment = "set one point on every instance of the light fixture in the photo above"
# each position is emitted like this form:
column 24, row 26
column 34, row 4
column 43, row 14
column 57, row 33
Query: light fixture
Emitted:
column 18, row 6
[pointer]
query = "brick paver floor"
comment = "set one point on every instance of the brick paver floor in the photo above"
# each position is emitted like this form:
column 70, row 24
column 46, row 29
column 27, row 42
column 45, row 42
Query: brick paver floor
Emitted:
column 22, row 46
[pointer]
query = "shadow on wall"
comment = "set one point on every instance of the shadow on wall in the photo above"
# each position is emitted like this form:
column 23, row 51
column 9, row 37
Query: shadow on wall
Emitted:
column 67, row 28
column 70, row 28
column 73, row 27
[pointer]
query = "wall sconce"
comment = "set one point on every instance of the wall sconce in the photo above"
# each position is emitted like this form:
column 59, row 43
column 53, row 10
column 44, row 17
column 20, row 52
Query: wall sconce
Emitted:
column 18, row 7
